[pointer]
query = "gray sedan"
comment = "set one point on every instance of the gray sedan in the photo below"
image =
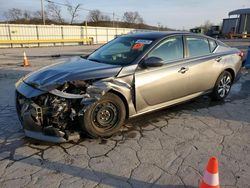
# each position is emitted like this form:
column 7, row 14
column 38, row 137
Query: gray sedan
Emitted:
column 129, row 76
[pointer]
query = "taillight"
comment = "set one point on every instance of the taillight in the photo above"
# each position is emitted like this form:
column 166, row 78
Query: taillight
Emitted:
column 241, row 54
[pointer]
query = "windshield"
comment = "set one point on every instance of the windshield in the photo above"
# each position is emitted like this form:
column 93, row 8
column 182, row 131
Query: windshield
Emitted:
column 122, row 50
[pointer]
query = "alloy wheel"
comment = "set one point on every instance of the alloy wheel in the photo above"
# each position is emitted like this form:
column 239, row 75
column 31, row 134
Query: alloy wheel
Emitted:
column 224, row 85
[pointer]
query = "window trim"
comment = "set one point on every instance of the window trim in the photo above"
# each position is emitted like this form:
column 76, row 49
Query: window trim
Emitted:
column 210, row 45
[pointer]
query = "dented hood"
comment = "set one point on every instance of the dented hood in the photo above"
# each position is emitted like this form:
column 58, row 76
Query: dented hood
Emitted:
column 51, row 77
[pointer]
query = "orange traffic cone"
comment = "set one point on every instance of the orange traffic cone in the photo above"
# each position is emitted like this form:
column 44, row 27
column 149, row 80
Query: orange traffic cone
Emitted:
column 211, row 175
column 25, row 60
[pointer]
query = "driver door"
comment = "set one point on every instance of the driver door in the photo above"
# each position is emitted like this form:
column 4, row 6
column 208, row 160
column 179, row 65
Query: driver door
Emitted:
column 155, row 86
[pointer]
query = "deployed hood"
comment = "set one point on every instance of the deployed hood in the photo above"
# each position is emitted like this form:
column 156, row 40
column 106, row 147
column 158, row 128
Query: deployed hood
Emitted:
column 50, row 77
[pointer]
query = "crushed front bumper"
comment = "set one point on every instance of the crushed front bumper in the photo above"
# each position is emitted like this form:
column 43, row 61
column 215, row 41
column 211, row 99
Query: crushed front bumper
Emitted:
column 43, row 137
column 31, row 117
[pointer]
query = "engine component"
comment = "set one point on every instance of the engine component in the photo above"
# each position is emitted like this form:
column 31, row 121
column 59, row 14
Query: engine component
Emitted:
column 58, row 112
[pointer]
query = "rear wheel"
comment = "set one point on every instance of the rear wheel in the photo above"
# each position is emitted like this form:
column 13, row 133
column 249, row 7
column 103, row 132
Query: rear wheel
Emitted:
column 222, row 86
column 104, row 117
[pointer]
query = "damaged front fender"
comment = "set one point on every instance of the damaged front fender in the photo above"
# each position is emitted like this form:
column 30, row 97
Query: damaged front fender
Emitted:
column 122, row 86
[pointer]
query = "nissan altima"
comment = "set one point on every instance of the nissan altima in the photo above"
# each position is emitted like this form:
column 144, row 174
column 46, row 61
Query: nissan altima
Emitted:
column 129, row 76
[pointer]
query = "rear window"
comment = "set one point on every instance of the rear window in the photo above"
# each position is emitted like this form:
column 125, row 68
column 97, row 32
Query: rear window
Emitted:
column 197, row 46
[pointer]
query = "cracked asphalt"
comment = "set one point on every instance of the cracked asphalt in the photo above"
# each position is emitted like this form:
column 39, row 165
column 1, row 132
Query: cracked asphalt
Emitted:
column 168, row 148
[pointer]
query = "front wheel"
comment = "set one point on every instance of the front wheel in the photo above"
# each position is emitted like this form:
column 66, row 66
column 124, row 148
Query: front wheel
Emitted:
column 104, row 117
column 222, row 86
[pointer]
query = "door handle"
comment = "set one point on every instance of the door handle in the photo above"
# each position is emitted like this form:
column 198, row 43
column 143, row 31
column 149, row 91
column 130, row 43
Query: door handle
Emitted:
column 218, row 59
column 183, row 70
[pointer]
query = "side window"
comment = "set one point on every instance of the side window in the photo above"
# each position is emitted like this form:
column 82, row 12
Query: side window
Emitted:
column 212, row 44
column 169, row 50
column 197, row 46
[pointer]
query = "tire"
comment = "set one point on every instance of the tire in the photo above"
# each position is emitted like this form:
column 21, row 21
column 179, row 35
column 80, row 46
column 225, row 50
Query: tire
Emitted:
column 222, row 86
column 104, row 117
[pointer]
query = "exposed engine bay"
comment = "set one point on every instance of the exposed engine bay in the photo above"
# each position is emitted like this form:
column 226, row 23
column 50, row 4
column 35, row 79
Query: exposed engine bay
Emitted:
column 56, row 115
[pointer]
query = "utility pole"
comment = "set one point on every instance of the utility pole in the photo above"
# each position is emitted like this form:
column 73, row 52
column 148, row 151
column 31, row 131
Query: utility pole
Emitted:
column 86, row 29
column 159, row 25
column 42, row 11
column 245, row 23
column 117, row 22
column 113, row 19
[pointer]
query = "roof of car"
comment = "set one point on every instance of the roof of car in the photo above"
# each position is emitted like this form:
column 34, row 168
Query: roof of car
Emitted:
column 155, row 35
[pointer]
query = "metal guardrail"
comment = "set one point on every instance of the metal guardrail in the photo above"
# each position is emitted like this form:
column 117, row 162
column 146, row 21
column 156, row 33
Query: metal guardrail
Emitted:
column 85, row 40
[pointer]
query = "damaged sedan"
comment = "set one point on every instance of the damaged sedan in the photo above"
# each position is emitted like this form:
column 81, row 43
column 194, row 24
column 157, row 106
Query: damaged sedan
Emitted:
column 129, row 76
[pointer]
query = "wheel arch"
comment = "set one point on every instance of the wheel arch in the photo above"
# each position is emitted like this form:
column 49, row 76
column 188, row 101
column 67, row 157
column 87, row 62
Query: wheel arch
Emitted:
column 231, row 71
column 123, row 98
column 228, row 69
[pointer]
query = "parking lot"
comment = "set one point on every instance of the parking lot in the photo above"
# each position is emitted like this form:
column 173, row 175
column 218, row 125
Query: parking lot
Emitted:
column 168, row 148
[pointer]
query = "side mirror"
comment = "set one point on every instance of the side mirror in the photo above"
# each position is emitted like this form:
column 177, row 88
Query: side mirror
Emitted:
column 153, row 62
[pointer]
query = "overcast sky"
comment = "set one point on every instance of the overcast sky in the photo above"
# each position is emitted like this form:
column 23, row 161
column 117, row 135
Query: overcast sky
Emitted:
column 177, row 14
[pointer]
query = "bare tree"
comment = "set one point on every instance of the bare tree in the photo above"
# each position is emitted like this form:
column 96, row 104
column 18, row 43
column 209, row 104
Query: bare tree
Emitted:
column 38, row 15
column 73, row 11
column 55, row 12
column 106, row 18
column 97, row 15
column 13, row 14
column 27, row 15
column 132, row 17
column 207, row 25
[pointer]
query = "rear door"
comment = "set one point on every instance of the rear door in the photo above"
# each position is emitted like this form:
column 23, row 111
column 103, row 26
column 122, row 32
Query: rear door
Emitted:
column 204, row 65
